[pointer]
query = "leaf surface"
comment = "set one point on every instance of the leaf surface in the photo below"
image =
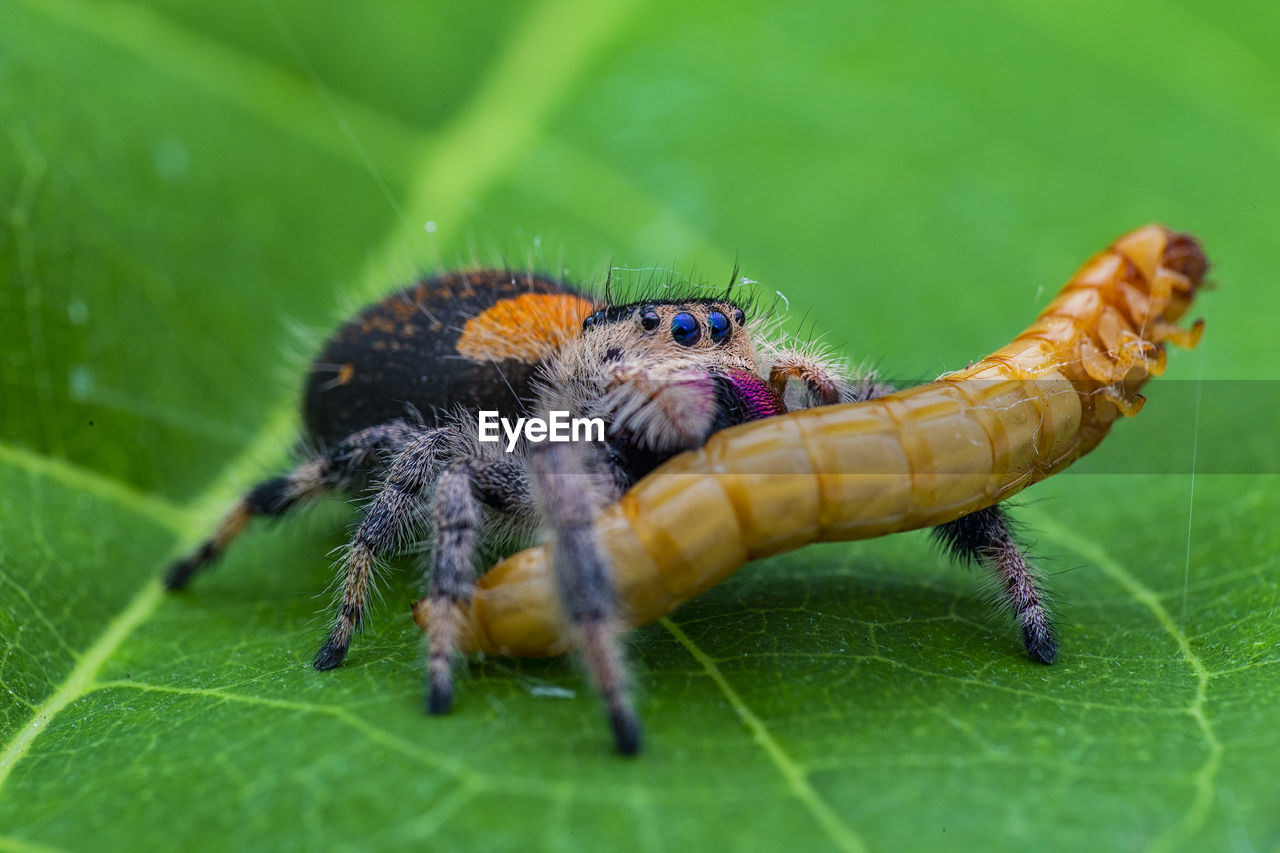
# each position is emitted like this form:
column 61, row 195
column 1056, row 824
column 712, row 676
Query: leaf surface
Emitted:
column 196, row 194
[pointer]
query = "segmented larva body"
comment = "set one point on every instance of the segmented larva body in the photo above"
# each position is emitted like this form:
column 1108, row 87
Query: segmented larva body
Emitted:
column 917, row 458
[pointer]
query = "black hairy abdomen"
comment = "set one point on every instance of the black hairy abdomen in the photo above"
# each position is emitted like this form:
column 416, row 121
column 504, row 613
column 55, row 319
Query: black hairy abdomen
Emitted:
column 400, row 356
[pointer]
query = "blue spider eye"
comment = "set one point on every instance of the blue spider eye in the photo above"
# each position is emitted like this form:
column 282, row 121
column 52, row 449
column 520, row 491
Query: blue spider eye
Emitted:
column 719, row 325
column 685, row 329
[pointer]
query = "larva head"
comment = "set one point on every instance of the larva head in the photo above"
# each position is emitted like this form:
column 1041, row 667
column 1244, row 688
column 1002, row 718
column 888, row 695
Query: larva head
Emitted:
column 1166, row 265
column 1184, row 257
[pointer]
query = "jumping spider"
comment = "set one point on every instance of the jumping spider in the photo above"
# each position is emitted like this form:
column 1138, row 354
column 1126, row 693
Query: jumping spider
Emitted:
column 391, row 403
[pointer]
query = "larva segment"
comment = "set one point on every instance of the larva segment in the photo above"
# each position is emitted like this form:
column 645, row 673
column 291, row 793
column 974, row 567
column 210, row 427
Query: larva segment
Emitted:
column 914, row 459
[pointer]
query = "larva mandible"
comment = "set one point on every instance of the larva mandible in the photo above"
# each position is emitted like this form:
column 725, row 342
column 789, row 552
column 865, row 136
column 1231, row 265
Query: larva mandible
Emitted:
column 913, row 459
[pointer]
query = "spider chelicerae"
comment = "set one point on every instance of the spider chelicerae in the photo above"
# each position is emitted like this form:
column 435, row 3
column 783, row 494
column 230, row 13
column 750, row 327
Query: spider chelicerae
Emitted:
column 391, row 407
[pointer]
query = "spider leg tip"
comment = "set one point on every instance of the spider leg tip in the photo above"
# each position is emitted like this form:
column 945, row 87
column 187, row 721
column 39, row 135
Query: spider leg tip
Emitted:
column 178, row 576
column 1041, row 647
column 181, row 572
column 330, row 655
column 626, row 731
column 439, row 697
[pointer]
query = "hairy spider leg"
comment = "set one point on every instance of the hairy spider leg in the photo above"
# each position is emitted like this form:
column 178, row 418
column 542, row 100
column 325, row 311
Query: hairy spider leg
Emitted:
column 391, row 516
column 985, row 537
column 825, row 381
column 457, row 515
column 456, row 509
column 821, row 383
column 335, row 469
column 570, row 500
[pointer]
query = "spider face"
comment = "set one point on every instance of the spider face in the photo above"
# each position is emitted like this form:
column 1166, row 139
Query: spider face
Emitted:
column 663, row 375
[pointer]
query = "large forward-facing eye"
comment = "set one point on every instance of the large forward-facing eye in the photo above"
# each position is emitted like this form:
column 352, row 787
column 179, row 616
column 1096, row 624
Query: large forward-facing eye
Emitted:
column 685, row 329
column 719, row 325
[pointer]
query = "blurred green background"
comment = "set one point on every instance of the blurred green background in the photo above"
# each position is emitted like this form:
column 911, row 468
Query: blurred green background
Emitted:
column 193, row 193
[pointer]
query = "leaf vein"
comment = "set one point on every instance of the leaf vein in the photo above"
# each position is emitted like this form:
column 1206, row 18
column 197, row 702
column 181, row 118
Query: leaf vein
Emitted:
column 797, row 781
column 80, row 680
column 87, row 480
column 1203, row 780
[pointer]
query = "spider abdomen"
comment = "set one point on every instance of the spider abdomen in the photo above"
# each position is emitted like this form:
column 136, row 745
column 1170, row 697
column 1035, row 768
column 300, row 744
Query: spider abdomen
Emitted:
column 472, row 339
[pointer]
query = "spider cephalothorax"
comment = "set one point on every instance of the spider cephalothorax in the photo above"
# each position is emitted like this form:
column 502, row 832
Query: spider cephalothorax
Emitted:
column 663, row 375
column 393, row 399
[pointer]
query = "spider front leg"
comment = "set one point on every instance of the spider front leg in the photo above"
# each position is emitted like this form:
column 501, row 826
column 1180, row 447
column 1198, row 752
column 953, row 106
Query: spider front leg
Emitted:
column 336, row 469
column 822, row 385
column 394, row 512
column 456, row 510
column 826, row 382
column 452, row 578
column 570, row 496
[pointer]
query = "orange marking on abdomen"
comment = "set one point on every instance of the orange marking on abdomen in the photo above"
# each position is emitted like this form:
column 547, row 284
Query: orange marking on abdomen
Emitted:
column 528, row 327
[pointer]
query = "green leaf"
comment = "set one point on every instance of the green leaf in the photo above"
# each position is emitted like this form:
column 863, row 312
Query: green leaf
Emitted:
column 194, row 194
